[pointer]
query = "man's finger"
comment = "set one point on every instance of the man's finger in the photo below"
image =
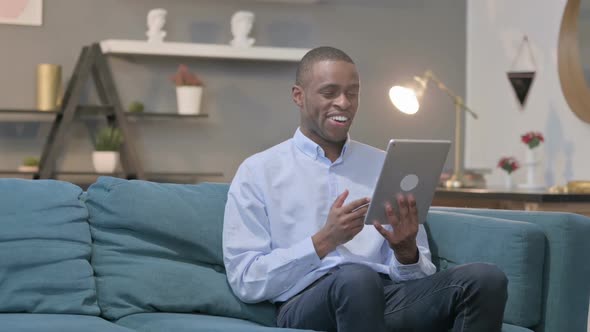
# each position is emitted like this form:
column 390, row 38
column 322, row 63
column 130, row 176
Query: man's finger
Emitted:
column 386, row 234
column 413, row 208
column 391, row 217
column 340, row 199
column 358, row 213
column 356, row 204
column 403, row 208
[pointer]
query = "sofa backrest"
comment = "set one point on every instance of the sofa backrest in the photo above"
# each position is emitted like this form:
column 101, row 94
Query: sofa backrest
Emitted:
column 44, row 249
column 157, row 247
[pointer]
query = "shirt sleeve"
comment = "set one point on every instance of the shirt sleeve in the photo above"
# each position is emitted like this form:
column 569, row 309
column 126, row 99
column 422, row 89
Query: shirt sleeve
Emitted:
column 423, row 268
column 254, row 270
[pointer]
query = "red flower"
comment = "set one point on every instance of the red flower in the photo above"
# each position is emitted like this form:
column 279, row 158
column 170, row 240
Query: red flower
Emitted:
column 509, row 164
column 532, row 139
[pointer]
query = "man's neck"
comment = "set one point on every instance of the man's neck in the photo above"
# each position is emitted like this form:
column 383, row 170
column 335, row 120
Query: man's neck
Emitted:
column 333, row 151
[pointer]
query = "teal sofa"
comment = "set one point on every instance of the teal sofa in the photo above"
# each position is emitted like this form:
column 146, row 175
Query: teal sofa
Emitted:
column 143, row 256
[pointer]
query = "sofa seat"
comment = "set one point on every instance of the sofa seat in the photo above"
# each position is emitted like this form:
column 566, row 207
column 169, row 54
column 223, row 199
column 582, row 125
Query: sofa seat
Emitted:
column 57, row 323
column 514, row 328
column 172, row 322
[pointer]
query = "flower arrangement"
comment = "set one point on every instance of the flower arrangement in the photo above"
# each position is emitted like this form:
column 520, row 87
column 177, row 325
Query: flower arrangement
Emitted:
column 532, row 139
column 184, row 77
column 509, row 164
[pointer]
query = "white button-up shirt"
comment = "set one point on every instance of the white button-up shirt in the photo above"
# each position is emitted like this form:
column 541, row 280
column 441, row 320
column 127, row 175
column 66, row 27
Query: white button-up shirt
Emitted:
column 280, row 198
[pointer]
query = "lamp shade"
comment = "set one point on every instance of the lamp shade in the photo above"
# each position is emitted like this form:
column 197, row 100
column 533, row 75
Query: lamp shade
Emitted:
column 404, row 99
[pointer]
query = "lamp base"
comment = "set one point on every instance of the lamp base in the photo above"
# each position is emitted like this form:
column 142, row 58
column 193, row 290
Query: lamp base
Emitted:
column 455, row 181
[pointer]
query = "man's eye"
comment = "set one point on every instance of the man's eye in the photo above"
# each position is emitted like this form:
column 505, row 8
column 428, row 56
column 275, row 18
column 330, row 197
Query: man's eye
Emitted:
column 329, row 94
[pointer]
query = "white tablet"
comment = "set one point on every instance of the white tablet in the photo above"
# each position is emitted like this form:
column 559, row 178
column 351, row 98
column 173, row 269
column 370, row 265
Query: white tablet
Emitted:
column 411, row 166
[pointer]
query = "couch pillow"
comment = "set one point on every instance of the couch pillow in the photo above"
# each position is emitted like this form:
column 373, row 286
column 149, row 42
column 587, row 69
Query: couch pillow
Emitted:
column 517, row 248
column 157, row 248
column 44, row 249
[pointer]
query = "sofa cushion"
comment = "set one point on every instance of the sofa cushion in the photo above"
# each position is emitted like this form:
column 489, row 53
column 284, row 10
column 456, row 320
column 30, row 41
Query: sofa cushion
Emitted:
column 565, row 280
column 45, row 249
column 517, row 248
column 514, row 328
column 170, row 322
column 57, row 323
column 157, row 247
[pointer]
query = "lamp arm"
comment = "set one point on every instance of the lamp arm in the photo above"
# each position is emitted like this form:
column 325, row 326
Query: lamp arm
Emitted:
column 429, row 75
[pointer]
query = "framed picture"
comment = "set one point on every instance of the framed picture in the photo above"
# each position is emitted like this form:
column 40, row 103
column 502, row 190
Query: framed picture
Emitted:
column 21, row 12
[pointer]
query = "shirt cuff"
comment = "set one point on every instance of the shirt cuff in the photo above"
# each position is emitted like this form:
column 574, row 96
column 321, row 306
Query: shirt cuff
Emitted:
column 401, row 272
column 306, row 254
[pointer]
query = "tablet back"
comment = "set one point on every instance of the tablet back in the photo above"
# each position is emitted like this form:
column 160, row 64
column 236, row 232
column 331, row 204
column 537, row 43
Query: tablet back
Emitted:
column 411, row 166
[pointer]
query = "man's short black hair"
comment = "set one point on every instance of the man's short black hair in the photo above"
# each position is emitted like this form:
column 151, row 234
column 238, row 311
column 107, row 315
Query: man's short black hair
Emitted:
column 322, row 53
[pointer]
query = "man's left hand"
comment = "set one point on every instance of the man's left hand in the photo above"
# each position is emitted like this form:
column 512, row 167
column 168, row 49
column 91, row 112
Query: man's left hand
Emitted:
column 405, row 229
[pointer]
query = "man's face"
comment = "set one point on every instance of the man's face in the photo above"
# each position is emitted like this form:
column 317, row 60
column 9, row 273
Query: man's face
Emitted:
column 328, row 101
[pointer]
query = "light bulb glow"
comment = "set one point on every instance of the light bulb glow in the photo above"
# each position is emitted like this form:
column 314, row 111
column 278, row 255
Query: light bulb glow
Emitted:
column 404, row 99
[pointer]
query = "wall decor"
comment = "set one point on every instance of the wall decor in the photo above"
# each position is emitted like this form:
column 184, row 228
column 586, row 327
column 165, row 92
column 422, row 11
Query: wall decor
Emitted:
column 21, row 12
column 522, row 80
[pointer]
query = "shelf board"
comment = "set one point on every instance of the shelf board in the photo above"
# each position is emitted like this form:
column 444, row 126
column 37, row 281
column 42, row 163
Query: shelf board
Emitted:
column 16, row 172
column 154, row 115
column 29, row 115
column 139, row 47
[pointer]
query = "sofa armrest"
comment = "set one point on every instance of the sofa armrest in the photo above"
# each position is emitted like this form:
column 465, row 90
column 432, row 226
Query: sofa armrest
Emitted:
column 517, row 248
column 566, row 286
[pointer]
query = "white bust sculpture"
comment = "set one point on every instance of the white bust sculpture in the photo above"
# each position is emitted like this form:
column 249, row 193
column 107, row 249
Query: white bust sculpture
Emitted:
column 241, row 25
column 156, row 19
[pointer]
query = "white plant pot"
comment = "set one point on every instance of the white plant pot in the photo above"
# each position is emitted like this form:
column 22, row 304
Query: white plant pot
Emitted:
column 30, row 169
column 188, row 99
column 105, row 161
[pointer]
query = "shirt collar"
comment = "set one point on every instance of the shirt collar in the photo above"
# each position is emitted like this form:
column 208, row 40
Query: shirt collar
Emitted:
column 311, row 148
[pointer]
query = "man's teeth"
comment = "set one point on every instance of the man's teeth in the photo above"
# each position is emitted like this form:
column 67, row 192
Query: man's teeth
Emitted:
column 339, row 118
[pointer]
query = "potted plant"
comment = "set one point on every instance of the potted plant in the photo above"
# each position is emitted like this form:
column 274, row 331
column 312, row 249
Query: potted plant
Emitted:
column 135, row 107
column 106, row 151
column 30, row 164
column 189, row 90
column 508, row 164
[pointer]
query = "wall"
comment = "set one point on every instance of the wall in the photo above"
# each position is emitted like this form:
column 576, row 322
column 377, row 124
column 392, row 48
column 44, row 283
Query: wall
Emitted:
column 248, row 102
column 495, row 29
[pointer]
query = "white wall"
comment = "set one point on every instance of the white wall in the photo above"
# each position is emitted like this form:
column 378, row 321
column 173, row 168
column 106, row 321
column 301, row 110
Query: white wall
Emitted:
column 495, row 29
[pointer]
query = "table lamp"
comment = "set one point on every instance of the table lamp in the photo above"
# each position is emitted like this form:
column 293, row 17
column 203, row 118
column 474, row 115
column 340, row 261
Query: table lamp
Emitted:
column 407, row 100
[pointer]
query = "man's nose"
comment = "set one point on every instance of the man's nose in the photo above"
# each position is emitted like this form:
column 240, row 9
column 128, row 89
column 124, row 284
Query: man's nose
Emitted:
column 342, row 101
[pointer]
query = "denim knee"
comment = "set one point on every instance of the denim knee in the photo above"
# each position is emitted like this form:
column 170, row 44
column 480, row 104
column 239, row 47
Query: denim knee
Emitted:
column 357, row 282
column 488, row 278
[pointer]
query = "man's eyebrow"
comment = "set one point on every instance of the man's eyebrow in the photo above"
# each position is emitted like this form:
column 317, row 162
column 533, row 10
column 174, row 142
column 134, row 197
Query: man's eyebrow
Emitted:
column 332, row 86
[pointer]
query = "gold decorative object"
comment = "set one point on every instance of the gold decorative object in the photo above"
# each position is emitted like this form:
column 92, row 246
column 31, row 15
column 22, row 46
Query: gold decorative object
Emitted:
column 48, row 86
column 578, row 187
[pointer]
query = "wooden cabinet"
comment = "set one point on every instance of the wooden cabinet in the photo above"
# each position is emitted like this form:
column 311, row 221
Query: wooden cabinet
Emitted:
column 513, row 200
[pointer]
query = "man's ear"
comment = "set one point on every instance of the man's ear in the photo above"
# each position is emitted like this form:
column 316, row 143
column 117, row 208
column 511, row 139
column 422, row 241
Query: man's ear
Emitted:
column 297, row 95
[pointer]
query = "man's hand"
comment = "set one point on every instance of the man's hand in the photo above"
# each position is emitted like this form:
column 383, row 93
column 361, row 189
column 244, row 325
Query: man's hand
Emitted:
column 405, row 229
column 344, row 222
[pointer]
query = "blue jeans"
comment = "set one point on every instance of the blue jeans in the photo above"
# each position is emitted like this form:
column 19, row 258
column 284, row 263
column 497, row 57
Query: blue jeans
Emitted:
column 355, row 298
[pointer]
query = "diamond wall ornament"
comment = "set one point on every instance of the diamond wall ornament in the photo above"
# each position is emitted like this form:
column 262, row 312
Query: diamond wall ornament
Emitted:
column 521, row 83
column 521, row 80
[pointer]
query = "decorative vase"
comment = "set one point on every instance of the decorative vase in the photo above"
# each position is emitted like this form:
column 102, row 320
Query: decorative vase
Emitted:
column 531, row 163
column 105, row 161
column 48, row 86
column 508, row 183
column 188, row 99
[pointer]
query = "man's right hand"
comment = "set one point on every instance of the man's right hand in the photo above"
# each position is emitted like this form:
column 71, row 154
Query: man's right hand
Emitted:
column 344, row 222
